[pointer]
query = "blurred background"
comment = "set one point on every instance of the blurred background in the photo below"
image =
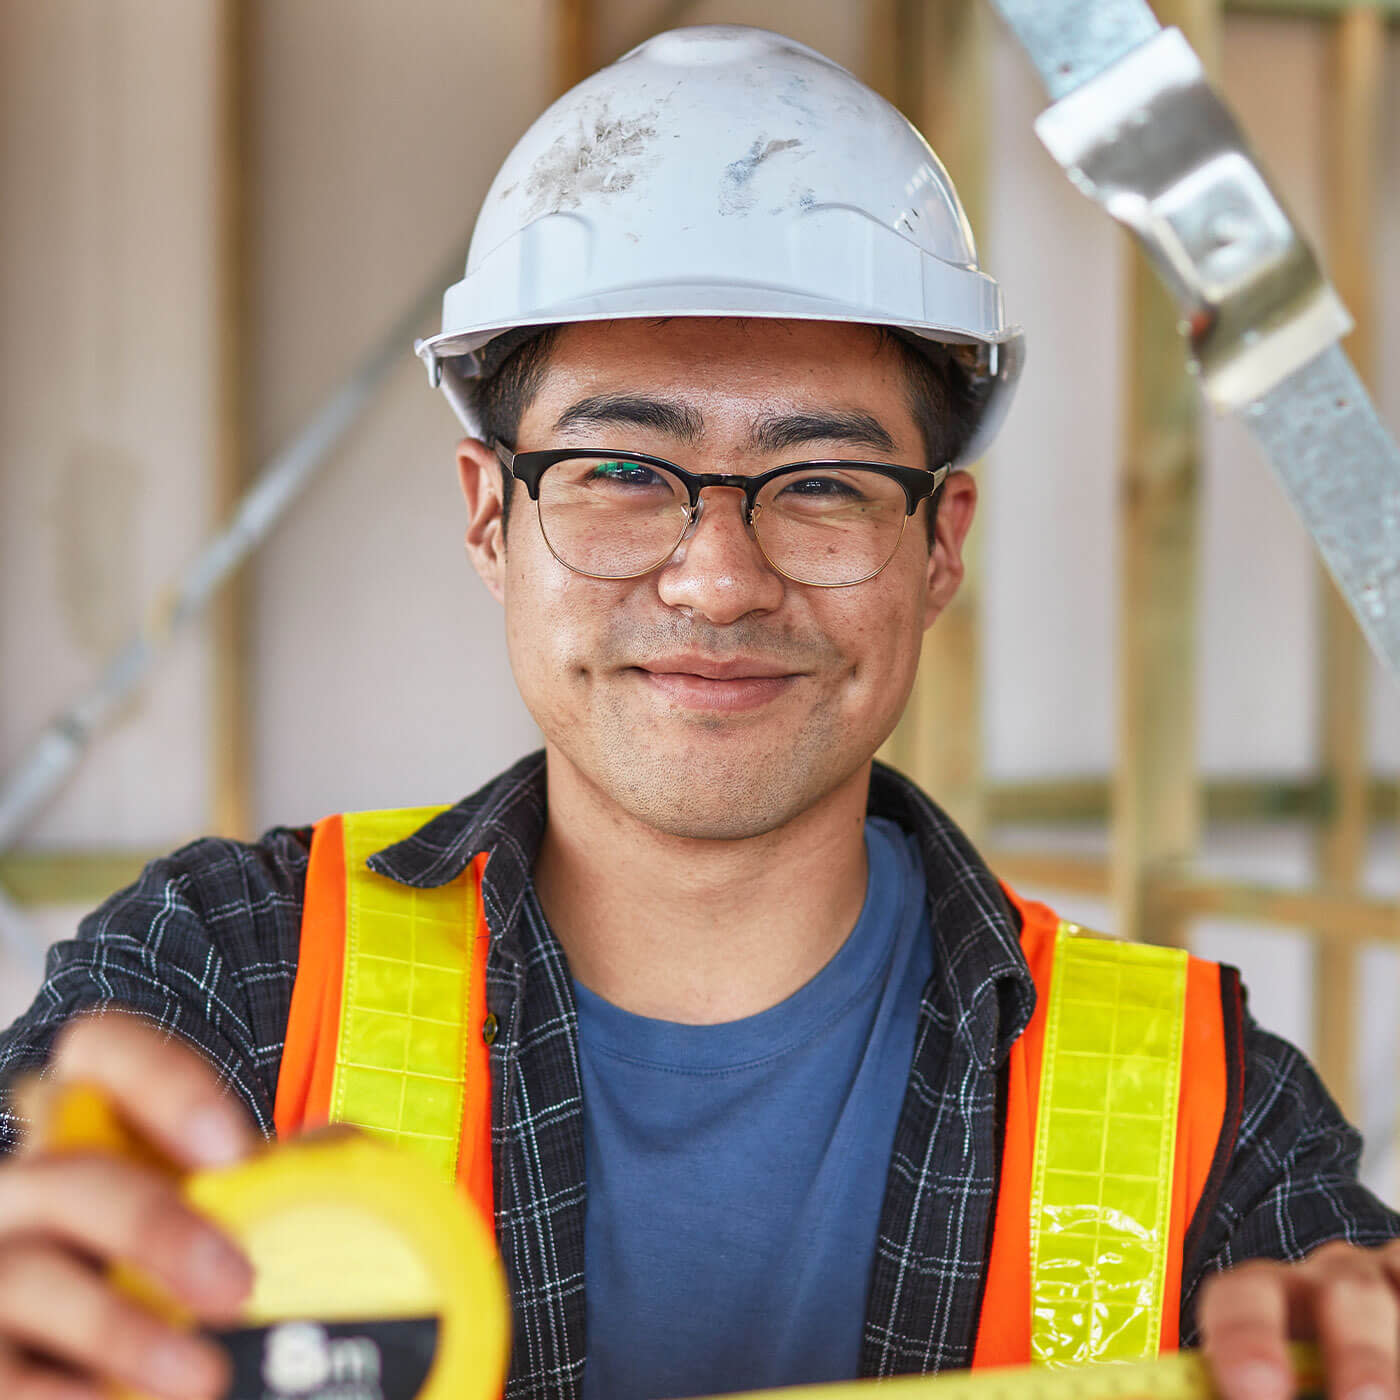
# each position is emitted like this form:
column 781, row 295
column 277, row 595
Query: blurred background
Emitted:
column 1147, row 707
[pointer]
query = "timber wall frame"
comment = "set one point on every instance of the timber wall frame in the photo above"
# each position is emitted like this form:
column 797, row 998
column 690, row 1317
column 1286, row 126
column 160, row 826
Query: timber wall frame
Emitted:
column 930, row 58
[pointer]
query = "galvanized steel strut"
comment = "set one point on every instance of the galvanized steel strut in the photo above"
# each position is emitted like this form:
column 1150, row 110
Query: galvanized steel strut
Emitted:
column 1138, row 128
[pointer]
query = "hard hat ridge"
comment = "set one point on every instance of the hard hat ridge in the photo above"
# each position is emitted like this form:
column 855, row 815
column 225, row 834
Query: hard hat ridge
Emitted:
column 721, row 170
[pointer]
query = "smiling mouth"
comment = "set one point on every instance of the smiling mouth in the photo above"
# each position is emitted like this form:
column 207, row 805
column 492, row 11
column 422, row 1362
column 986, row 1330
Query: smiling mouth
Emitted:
column 739, row 686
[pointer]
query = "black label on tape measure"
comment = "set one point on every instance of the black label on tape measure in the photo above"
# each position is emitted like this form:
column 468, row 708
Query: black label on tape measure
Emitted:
column 307, row 1360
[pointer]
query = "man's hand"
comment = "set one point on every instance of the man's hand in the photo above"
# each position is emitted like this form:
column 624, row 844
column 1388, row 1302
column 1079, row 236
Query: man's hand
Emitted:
column 1345, row 1297
column 65, row 1333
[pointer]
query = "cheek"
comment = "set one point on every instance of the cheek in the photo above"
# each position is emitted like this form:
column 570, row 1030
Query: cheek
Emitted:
column 554, row 621
column 537, row 615
column 880, row 625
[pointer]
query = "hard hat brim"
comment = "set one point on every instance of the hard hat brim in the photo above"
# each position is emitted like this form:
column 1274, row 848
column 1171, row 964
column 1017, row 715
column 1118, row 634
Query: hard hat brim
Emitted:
column 460, row 356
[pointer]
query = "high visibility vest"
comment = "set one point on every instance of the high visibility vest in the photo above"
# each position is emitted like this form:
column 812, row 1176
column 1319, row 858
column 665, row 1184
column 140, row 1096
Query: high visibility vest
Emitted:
column 1121, row 1096
column 389, row 1003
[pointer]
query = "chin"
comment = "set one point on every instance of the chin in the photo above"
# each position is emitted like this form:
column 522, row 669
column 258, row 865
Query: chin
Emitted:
column 721, row 793
column 683, row 817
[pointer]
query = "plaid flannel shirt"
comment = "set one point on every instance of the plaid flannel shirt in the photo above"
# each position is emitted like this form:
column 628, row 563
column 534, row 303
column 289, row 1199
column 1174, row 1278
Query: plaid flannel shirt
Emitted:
column 205, row 945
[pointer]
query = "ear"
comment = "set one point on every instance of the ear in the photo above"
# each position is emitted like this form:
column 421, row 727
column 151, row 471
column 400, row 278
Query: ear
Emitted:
column 479, row 472
column 945, row 560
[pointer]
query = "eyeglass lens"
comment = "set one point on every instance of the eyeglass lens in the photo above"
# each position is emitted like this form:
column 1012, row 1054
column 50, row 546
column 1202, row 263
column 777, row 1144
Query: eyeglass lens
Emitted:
column 614, row 518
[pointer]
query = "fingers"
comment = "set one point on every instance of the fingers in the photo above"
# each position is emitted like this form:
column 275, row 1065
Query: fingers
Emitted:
column 118, row 1210
column 163, row 1087
column 1243, row 1316
column 66, row 1332
column 1358, row 1323
column 22, row 1378
column 96, row 1330
column 1343, row 1295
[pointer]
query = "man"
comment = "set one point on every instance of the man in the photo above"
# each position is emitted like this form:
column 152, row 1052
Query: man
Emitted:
column 760, row 1022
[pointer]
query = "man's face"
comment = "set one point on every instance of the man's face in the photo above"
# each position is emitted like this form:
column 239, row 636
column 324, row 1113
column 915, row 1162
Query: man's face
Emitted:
column 713, row 697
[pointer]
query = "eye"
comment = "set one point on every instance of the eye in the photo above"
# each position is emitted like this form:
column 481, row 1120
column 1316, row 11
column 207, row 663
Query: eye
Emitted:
column 621, row 473
column 821, row 488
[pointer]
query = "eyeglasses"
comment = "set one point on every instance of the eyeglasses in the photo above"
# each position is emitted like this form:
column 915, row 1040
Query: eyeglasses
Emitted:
column 616, row 515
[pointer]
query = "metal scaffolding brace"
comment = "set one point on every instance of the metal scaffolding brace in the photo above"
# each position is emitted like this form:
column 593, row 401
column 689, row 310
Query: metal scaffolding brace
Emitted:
column 1137, row 127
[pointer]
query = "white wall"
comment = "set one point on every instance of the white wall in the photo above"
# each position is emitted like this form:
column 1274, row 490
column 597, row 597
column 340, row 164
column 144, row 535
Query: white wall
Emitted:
column 381, row 670
column 105, row 345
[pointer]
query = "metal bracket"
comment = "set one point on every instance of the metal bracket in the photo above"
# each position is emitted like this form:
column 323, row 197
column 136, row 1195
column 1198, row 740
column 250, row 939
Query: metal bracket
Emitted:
column 1150, row 141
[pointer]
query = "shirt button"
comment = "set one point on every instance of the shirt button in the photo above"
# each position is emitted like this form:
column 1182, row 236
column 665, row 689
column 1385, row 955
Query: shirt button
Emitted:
column 489, row 1027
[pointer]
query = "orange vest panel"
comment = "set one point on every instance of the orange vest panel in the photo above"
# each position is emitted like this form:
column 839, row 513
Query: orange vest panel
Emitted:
column 305, row 1079
column 1004, row 1326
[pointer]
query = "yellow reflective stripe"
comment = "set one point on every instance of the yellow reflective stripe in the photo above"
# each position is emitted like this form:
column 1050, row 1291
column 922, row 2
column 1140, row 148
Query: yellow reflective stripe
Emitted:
column 400, row 1065
column 1105, row 1136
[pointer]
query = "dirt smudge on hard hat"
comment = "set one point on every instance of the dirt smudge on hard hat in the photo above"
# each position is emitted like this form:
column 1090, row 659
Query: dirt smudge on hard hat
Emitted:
column 736, row 192
column 602, row 156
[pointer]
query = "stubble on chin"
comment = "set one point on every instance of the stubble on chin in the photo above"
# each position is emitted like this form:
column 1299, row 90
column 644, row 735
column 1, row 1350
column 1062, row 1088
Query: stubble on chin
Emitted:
column 703, row 775
column 707, row 777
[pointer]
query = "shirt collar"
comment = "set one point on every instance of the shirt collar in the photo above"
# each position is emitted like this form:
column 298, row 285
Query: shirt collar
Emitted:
column 505, row 819
column 510, row 809
column 982, row 986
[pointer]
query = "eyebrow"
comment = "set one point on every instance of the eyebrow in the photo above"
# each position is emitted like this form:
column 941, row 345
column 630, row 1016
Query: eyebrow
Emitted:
column 771, row 433
column 778, row 432
column 670, row 416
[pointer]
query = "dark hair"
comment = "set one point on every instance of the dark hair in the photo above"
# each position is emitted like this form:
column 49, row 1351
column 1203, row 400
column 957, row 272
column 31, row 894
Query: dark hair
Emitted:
column 943, row 397
column 502, row 398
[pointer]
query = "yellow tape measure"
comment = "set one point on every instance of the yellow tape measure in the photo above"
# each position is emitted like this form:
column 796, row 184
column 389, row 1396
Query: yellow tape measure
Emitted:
column 1180, row 1376
column 374, row 1279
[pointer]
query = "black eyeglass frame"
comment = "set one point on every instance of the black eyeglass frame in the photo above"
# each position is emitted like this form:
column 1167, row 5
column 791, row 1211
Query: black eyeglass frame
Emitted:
column 918, row 484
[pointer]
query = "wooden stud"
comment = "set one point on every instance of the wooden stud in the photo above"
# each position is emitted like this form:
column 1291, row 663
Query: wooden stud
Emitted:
column 1048, row 802
column 669, row 15
column 1155, row 801
column 1059, row 871
column 945, row 710
column 882, row 38
column 932, row 54
column 1349, row 920
column 86, row 877
column 1310, row 9
column 230, row 722
column 575, row 36
column 1345, row 919
column 1081, row 801
column 1353, row 165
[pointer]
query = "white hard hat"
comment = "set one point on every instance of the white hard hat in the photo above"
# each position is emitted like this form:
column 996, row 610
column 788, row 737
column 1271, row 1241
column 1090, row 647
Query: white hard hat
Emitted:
column 721, row 170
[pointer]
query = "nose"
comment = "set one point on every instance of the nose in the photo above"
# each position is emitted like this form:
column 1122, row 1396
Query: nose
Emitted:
column 718, row 569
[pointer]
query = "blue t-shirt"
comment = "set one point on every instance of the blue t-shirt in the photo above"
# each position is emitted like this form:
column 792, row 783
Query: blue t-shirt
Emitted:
column 736, row 1171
